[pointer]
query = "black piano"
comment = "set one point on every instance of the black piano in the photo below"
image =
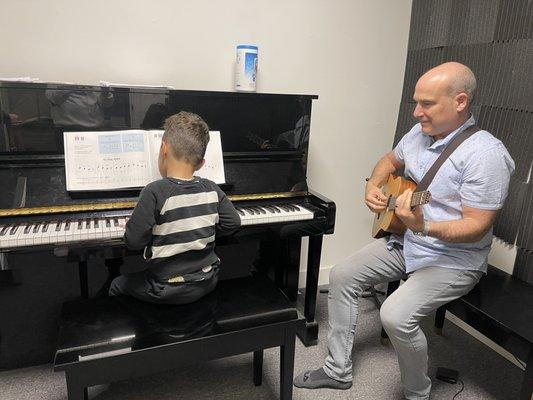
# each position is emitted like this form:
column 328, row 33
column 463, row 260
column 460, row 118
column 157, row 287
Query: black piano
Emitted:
column 265, row 141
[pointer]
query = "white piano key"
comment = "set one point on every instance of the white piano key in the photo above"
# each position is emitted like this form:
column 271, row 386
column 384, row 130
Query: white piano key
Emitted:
column 46, row 232
column 27, row 235
column 38, row 234
column 78, row 230
column 99, row 230
column 20, row 236
column 12, row 234
column 85, row 235
column 60, row 233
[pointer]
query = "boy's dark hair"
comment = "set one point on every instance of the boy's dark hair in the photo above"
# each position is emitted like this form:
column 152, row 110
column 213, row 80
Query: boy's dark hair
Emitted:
column 188, row 135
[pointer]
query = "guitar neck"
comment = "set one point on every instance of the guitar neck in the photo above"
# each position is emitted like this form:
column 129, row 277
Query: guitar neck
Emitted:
column 420, row 198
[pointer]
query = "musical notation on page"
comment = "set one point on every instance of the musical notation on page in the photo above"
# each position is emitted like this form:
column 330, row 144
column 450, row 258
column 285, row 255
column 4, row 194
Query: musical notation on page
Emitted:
column 109, row 160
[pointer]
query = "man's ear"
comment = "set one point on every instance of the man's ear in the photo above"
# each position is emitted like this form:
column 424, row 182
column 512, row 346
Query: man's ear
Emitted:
column 462, row 101
column 200, row 164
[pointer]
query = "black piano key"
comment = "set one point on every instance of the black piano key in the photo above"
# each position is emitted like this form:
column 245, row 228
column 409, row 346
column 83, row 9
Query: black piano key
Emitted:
column 240, row 212
column 296, row 208
column 45, row 227
column 284, row 207
column 36, row 228
column 88, row 224
column 27, row 229
column 58, row 226
column 270, row 208
column 262, row 211
column 80, row 224
column 115, row 222
column 14, row 229
column 250, row 210
column 96, row 223
column 107, row 223
column 4, row 230
column 67, row 225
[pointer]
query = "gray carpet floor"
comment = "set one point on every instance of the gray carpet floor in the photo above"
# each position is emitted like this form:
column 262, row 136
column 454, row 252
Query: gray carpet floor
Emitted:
column 485, row 373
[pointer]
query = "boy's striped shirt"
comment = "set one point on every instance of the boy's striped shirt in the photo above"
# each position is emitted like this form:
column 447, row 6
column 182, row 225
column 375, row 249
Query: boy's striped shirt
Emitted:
column 175, row 221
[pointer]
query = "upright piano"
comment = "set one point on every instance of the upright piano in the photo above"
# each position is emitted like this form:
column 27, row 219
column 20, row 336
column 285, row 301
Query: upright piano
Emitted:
column 265, row 141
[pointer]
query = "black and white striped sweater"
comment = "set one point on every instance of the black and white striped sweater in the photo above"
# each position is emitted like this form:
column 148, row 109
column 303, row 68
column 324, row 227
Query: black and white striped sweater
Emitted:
column 175, row 221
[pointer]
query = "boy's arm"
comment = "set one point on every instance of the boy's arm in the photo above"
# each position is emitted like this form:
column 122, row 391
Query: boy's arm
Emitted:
column 139, row 227
column 228, row 218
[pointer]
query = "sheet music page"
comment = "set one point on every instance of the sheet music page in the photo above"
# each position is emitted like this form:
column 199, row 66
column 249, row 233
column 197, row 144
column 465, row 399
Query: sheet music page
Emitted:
column 213, row 168
column 154, row 143
column 106, row 160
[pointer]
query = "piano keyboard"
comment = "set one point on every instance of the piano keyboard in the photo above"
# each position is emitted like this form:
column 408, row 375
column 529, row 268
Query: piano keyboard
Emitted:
column 97, row 229
column 268, row 214
column 58, row 232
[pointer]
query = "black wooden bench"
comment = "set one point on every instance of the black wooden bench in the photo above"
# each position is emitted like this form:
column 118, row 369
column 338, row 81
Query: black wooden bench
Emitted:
column 112, row 339
column 500, row 306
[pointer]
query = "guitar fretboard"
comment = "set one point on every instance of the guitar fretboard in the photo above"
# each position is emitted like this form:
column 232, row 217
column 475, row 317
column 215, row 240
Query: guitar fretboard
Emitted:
column 420, row 198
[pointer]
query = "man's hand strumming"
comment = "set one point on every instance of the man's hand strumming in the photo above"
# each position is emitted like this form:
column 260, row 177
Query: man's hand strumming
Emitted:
column 374, row 198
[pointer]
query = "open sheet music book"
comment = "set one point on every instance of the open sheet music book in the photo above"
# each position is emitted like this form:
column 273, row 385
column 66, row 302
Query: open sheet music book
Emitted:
column 109, row 160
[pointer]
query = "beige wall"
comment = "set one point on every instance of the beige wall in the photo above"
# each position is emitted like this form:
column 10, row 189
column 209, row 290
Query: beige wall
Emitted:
column 349, row 52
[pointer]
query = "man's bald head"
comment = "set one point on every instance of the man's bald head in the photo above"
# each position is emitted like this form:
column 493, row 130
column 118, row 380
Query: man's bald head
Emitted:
column 455, row 77
column 443, row 96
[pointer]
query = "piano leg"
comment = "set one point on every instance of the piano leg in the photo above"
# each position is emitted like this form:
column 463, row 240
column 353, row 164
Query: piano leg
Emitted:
column 284, row 256
column 309, row 333
column 74, row 390
column 113, row 270
column 8, row 277
column 292, row 267
column 527, row 383
column 84, row 281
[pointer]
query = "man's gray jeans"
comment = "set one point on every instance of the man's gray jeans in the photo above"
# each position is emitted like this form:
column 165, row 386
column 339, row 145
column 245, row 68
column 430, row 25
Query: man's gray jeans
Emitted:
column 424, row 291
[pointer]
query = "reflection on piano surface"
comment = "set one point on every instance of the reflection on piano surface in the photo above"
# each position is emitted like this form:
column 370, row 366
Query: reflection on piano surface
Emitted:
column 265, row 145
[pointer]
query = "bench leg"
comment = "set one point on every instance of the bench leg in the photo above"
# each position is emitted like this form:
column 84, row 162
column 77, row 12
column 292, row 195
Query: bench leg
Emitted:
column 527, row 384
column 391, row 287
column 75, row 391
column 258, row 367
column 287, row 367
column 439, row 319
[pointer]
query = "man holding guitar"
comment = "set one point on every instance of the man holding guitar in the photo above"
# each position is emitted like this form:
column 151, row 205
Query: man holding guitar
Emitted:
column 446, row 242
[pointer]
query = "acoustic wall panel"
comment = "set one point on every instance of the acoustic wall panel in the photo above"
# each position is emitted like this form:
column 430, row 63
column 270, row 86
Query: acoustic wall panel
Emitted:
column 495, row 39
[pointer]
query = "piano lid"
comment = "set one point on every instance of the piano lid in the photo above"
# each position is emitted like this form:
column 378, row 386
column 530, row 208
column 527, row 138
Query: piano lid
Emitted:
column 264, row 136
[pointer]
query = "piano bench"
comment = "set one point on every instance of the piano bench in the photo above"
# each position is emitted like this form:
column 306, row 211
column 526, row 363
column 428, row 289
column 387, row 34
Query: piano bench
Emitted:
column 116, row 338
column 500, row 307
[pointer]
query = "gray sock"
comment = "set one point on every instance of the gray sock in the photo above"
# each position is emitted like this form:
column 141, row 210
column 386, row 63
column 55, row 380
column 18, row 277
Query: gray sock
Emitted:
column 314, row 379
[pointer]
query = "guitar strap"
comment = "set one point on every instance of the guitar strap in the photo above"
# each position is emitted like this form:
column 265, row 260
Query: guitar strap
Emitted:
column 455, row 143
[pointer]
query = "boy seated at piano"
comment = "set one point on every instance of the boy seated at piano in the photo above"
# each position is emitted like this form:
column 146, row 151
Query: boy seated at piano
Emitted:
column 175, row 221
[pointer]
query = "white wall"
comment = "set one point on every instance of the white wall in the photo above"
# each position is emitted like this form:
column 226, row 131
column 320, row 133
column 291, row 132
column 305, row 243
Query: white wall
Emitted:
column 350, row 52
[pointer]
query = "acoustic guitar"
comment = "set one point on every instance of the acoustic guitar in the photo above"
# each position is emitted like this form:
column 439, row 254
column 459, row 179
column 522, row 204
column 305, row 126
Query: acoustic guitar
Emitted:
column 386, row 222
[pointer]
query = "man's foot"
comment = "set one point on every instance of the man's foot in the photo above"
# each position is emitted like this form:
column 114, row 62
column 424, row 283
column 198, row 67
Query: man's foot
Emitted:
column 314, row 379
